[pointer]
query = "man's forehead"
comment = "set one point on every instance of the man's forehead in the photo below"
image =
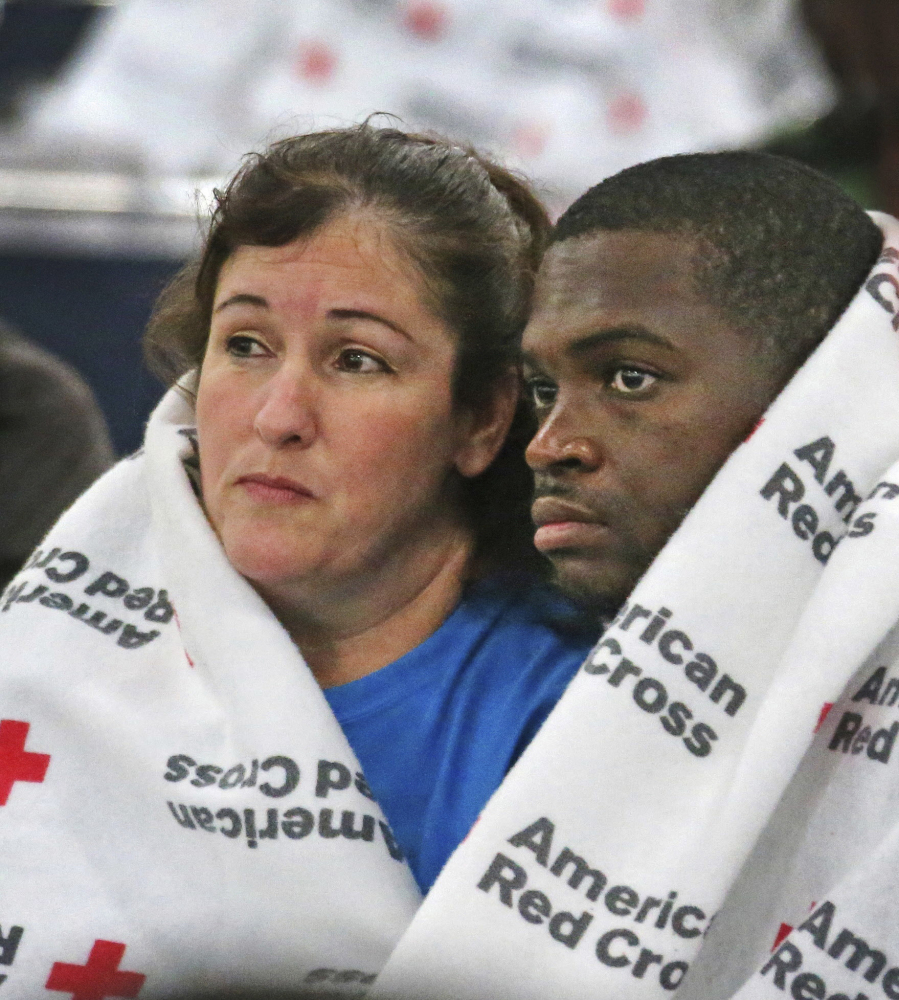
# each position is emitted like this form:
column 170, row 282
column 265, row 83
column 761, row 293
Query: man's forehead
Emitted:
column 608, row 276
column 586, row 268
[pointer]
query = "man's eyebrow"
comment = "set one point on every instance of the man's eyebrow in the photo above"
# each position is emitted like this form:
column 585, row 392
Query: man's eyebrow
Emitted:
column 373, row 317
column 531, row 362
column 243, row 299
column 611, row 335
column 615, row 334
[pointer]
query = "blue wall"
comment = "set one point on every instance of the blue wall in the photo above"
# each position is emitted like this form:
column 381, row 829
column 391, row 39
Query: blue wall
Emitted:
column 91, row 312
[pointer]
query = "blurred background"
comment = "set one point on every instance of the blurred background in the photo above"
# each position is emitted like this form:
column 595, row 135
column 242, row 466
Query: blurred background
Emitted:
column 117, row 119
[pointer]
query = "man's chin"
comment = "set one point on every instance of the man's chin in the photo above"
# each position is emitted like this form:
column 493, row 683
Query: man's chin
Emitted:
column 596, row 585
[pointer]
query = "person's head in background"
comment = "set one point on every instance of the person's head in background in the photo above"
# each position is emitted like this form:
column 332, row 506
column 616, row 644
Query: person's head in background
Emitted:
column 355, row 317
column 54, row 443
column 676, row 300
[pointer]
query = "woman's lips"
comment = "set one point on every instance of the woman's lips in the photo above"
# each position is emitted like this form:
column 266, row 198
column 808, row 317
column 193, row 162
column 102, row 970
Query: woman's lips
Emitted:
column 274, row 489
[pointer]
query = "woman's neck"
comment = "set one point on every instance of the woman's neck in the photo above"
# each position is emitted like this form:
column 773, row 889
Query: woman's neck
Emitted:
column 354, row 635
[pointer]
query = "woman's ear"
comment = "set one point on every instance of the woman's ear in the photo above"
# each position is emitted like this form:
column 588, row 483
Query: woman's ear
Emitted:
column 483, row 431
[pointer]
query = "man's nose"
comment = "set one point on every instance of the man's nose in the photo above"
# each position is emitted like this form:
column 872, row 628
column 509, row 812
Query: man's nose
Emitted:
column 288, row 410
column 565, row 441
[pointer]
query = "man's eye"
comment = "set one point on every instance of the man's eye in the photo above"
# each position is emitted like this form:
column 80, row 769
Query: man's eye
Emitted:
column 354, row 359
column 629, row 380
column 542, row 393
column 243, row 346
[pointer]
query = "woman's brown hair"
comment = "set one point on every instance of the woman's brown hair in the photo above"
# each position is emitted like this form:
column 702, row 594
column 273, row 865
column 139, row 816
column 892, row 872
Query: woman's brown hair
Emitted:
column 475, row 233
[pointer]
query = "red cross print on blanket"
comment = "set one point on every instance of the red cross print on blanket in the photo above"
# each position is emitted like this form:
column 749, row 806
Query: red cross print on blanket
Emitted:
column 99, row 978
column 17, row 763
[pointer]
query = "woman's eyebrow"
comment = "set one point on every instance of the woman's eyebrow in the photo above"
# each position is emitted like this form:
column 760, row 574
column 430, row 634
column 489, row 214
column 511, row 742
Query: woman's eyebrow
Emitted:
column 243, row 299
column 362, row 314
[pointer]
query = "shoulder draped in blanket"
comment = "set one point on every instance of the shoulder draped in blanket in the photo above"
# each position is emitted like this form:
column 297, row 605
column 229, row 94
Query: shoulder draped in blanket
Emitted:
column 179, row 804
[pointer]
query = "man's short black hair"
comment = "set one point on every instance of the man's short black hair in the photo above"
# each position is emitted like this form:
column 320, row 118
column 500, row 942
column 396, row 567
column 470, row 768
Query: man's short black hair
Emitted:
column 781, row 249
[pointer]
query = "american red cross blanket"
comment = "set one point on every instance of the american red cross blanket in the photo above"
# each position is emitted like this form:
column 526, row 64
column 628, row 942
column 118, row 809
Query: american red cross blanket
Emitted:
column 715, row 800
column 709, row 808
column 179, row 808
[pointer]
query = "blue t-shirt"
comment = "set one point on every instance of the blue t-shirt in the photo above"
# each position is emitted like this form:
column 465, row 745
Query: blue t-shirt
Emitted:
column 437, row 730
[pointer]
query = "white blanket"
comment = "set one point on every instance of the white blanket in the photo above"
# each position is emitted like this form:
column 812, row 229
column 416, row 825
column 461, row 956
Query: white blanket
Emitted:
column 178, row 805
column 597, row 868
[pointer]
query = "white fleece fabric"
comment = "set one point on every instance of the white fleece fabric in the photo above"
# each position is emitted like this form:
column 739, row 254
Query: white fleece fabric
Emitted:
column 178, row 806
column 726, row 762
column 178, row 801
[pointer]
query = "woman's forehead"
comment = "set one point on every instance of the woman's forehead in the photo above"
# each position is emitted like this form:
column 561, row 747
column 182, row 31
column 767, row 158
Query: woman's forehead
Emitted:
column 351, row 236
column 354, row 252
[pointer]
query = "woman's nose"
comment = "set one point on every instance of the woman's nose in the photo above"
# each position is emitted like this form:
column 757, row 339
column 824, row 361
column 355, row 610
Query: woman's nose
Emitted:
column 287, row 411
column 566, row 440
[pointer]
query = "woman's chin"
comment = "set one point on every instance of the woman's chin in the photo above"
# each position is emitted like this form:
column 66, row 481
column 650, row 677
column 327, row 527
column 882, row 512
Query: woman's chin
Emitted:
column 266, row 562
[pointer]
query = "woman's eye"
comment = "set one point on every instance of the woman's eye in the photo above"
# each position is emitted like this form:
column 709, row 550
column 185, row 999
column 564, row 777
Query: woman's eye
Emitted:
column 243, row 346
column 542, row 393
column 354, row 359
column 628, row 379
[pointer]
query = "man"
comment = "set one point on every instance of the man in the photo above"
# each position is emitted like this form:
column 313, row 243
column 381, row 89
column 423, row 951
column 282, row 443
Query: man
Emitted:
column 676, row 301
column 714, row 361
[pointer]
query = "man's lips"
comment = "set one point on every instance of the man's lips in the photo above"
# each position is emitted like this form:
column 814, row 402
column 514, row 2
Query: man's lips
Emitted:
column 274, row 489
column 562, row 525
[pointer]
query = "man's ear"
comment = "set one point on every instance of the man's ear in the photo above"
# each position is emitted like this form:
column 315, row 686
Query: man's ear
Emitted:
column 483, row 431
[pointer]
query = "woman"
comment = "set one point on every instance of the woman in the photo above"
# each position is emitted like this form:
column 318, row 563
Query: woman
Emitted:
column 346, row 348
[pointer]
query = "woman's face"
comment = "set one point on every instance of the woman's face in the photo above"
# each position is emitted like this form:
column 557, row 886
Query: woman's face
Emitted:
column 326, row 424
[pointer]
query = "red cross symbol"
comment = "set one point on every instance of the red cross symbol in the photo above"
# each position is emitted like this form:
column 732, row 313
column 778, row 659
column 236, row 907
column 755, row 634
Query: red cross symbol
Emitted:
column 98, row 979
column 825, row 711
column 428, row 21
column 16, row 763
column 784, row 931
column 316, row 62
column 627, row 9
column 627, row 113
column 530, row 139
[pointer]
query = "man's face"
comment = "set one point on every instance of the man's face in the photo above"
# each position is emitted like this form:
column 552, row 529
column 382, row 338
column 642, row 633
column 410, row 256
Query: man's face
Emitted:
column 642, row 390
